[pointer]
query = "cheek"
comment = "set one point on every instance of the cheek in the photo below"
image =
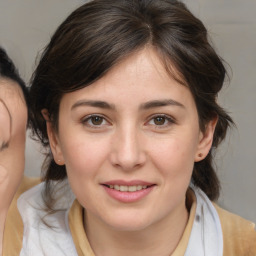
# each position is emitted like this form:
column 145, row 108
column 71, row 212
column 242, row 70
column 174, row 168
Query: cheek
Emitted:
column 174, row 156
column 12, row 161
column 19, row 127
column 84, row 156
column 84, row 159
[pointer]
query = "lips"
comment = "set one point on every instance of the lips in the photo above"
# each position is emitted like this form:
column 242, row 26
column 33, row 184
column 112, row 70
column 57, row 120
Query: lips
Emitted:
column 123, row 188
column 128, row 192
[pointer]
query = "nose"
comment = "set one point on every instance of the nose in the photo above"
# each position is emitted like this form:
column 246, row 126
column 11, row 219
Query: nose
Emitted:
column 127, row 151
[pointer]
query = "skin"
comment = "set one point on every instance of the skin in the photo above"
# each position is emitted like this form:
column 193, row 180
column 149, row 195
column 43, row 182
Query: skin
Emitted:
column 13, row 119
column 131, row 139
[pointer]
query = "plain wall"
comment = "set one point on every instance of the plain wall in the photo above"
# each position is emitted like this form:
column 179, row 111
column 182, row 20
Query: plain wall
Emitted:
column 27, row 25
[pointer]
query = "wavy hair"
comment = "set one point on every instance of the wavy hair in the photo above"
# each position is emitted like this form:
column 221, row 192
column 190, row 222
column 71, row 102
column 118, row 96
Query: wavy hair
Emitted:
column 100, row 34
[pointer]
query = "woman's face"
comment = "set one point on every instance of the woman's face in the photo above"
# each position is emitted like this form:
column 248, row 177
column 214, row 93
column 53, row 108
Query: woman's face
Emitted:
column 135, row 129
column 13, row 121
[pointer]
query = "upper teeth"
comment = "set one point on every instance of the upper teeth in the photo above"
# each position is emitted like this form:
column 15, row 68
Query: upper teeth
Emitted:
column 127, row 188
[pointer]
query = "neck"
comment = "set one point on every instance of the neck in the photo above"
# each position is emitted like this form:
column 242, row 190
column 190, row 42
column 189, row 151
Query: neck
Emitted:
column 160, row 238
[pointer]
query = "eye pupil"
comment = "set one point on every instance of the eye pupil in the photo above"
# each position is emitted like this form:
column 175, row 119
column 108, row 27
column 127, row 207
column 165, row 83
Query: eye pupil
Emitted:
column 97, row 120
column 159, row 120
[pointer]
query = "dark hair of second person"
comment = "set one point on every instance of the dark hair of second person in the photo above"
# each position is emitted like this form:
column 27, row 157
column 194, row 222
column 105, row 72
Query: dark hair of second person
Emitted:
column 9, row 71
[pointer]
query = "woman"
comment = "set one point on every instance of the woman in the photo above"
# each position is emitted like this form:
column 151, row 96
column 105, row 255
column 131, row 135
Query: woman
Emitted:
column 13, row 123
column 125, row 101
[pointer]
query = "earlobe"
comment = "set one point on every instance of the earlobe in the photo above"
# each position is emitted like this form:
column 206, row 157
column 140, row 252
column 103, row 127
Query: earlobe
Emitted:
column 205, row 140
column 53, row 139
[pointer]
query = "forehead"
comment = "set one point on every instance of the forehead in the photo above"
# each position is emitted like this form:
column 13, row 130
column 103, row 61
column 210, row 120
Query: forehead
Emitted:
column 13, row 99
column 142, row 76
column 149, row 62
column 9, row 89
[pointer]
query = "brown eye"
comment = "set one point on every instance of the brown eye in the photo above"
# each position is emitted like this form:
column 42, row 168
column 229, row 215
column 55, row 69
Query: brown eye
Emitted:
column 159, row 120
column 97, row 120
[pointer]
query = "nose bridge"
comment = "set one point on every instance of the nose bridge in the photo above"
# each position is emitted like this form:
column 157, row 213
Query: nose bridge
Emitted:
column 127, row 149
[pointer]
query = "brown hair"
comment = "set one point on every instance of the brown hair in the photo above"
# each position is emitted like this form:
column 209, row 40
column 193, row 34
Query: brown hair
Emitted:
column 101, row 33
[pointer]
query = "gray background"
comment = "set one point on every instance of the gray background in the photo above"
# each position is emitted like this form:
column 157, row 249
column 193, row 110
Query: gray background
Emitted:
column 26, row 27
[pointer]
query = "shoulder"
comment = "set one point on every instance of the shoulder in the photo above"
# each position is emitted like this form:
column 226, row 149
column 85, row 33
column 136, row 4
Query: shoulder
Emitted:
column 46, row 232
column 13, row 232
column 27, row 183
column 239, row 235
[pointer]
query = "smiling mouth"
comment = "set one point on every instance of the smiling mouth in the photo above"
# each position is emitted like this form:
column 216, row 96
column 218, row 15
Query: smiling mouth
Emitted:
column 124, row 188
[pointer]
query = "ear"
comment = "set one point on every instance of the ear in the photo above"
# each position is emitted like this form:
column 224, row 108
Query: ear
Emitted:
column 53, row 139
column 205, row 140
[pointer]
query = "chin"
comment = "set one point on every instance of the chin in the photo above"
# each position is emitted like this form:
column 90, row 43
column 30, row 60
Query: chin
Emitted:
column 129, row 224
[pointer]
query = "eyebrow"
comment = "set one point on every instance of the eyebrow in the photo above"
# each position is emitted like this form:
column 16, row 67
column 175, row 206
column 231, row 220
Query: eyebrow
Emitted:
column 93, row 103
column 161, row 103
column 144, row 106
column 6, row 144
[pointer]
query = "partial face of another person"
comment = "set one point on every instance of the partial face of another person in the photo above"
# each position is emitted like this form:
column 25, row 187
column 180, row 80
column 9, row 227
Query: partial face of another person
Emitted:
column 13, row 121
column 129, row 142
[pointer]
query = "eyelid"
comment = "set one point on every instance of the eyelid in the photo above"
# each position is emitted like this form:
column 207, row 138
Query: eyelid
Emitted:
column 4, row 146
column 169, row 118
column 85, row 120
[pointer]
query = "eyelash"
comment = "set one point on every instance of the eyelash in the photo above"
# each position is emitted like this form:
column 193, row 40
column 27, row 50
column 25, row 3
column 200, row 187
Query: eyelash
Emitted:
column 87, row 121
column 166, row 118
column 4, row 146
